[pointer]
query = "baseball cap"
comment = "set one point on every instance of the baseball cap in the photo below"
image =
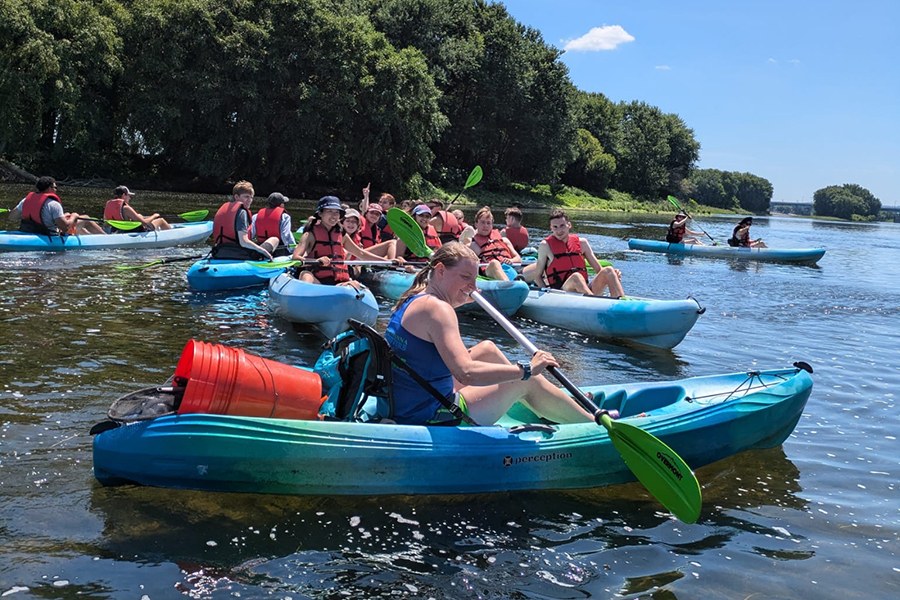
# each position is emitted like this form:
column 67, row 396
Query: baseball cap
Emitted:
column 122, row 190
column 421, row 209
column 276, row 199
column 352, row 212
column 374, row 207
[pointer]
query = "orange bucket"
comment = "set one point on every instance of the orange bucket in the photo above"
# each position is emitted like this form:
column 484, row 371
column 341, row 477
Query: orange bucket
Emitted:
column 228, row 381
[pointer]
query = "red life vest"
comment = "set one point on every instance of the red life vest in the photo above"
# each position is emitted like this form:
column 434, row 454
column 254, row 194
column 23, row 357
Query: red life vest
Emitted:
column 113, row 210
column 31, row 212
column 432, row 240
column 492, row 246
column 268, row 223
column 518, row 236
column 450, row 226
column 225, row 224
column 676, row 231
column 369, row 234
column 567, row 259
column 330, row 244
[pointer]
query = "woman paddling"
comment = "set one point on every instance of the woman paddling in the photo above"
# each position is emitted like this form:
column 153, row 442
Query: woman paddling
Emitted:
column 424, row 332
column 740, row 236
column 678, row 228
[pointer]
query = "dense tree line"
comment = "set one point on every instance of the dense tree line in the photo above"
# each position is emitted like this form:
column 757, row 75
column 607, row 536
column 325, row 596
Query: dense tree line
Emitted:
column 848, row 201
column 730, row 190
column 313, row 93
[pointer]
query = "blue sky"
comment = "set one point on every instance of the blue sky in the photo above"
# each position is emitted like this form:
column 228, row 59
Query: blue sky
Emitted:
column 803, row 93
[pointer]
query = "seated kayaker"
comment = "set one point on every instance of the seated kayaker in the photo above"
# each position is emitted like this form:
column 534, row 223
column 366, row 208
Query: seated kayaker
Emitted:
column 273, row 221
column 41, row 212
column 678, row 228
column 385, row 203
column 740, row 236
column 231, row 228
column 514, row 231
column 481, row 381
column 444, row 222
column 561, row 262
column 361, row 232
column 491, row 247
column 120, row 209
column 422, row 214
column 325, row 246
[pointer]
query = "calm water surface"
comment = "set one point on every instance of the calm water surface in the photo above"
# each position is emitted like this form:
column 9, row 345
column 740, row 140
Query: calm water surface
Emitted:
column 817, row 518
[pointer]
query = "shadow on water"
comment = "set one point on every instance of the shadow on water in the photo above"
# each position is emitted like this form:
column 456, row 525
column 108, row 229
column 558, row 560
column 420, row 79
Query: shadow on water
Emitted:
column 475, row 544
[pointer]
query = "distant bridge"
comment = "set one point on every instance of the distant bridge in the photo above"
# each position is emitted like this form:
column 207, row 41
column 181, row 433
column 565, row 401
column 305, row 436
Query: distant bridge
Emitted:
column 804, row 208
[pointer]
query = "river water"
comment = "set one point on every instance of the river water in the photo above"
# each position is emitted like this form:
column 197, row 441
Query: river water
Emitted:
column 817, row 518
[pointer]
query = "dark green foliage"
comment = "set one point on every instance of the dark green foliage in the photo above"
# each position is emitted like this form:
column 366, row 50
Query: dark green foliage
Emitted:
column 592, row 168
column 730, row 190
column 848, row 201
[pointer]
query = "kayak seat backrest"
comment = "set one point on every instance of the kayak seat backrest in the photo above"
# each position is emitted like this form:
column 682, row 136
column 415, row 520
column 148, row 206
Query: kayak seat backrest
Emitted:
column 355, row 369
column 650, row 399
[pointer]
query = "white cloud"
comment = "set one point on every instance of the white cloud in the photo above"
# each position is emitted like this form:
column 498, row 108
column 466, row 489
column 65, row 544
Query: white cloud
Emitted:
column 663, row 68
column 608, row 37
column 772, row 61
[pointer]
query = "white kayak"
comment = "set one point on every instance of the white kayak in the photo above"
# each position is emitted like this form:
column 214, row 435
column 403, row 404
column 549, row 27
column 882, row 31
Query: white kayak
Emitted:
column 325, row 307
column 180, row 234
column 658, row 323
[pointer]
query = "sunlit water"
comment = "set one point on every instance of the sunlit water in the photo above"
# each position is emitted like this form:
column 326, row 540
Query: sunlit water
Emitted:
column 817, row 518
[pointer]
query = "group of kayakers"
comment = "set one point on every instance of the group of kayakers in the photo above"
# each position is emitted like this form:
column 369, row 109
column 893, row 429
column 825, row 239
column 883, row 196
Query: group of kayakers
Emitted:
column 740, row 235
column 41, row 212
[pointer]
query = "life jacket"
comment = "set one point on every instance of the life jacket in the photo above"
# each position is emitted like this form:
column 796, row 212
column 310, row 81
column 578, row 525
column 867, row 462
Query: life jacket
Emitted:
column 450, row 227
column 432, row 240
column 31, row 213
column 113, row 210
column 369, row 234
column 330, row 244
column 567, row 259
column 268, row 223
column 518, row 236
column 492, row 246
column 738, row 242
column 676, row 231
column 225, row 224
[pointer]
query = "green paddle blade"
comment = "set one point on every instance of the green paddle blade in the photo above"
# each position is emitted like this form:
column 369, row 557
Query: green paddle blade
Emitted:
column 406, row 228
column 124, row 225
column 3, row 210
column 474, row 177
column 674, row 201
column 659, row 468
column 195, row 215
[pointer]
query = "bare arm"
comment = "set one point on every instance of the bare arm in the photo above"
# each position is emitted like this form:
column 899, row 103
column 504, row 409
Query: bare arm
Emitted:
column 512, row 251
column 303, row 248
column 356, row 250
column 588, row 254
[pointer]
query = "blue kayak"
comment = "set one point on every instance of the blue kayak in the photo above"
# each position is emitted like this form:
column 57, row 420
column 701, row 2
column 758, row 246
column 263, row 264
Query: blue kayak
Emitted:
column 788, row 255
column 180, row 234
column 213, row 275
column 704, row 419
column 506, row 296
column 325, row 307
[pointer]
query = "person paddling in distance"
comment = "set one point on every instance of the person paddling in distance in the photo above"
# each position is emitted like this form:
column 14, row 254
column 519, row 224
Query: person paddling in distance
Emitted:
column 445, row 222
column 561, row 261
column 740, row 235
column 273, row 221
column 678, row 229
column 514, row 231
column 41, row 212
column 481, row 381
column 120, row 209
column 490, row 246
column 422, row 214
column 231, row 228
column 325, row 242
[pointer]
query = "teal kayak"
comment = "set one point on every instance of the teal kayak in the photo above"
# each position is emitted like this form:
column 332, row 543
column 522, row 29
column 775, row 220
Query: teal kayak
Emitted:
column 180, row 234
column 325, row 307
column 704, row 419
column 213, row 275
column 506, row 296
column 787, row 255
column 657, row 323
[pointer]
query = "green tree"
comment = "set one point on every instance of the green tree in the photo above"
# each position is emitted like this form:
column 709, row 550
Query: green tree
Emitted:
column 592, row 168
column 846, row 201
column 754, row 193
column 641, row 157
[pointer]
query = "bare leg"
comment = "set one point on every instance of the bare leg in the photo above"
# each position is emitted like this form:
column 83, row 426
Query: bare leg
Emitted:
column 576, row 283
column 160, row 223
column 608, row 277
column 488, row 403
column 494, row 270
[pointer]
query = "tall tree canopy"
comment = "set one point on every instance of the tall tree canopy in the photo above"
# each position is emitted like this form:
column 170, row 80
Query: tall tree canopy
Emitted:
column 848, row 201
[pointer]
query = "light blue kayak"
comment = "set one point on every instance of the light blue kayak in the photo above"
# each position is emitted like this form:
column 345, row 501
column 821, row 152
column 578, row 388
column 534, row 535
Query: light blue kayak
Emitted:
column 180, row 234
column 789, row 255
column 506, row 296
column 326, row 307
column 657, row 323
column 704, row 419
column 213, row 275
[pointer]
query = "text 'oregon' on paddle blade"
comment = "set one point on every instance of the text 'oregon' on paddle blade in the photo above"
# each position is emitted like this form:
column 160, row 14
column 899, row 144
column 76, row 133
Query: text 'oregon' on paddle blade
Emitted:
column 659, row 468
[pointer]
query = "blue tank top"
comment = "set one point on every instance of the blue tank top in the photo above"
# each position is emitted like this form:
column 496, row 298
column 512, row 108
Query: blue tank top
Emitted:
column 412, row 404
